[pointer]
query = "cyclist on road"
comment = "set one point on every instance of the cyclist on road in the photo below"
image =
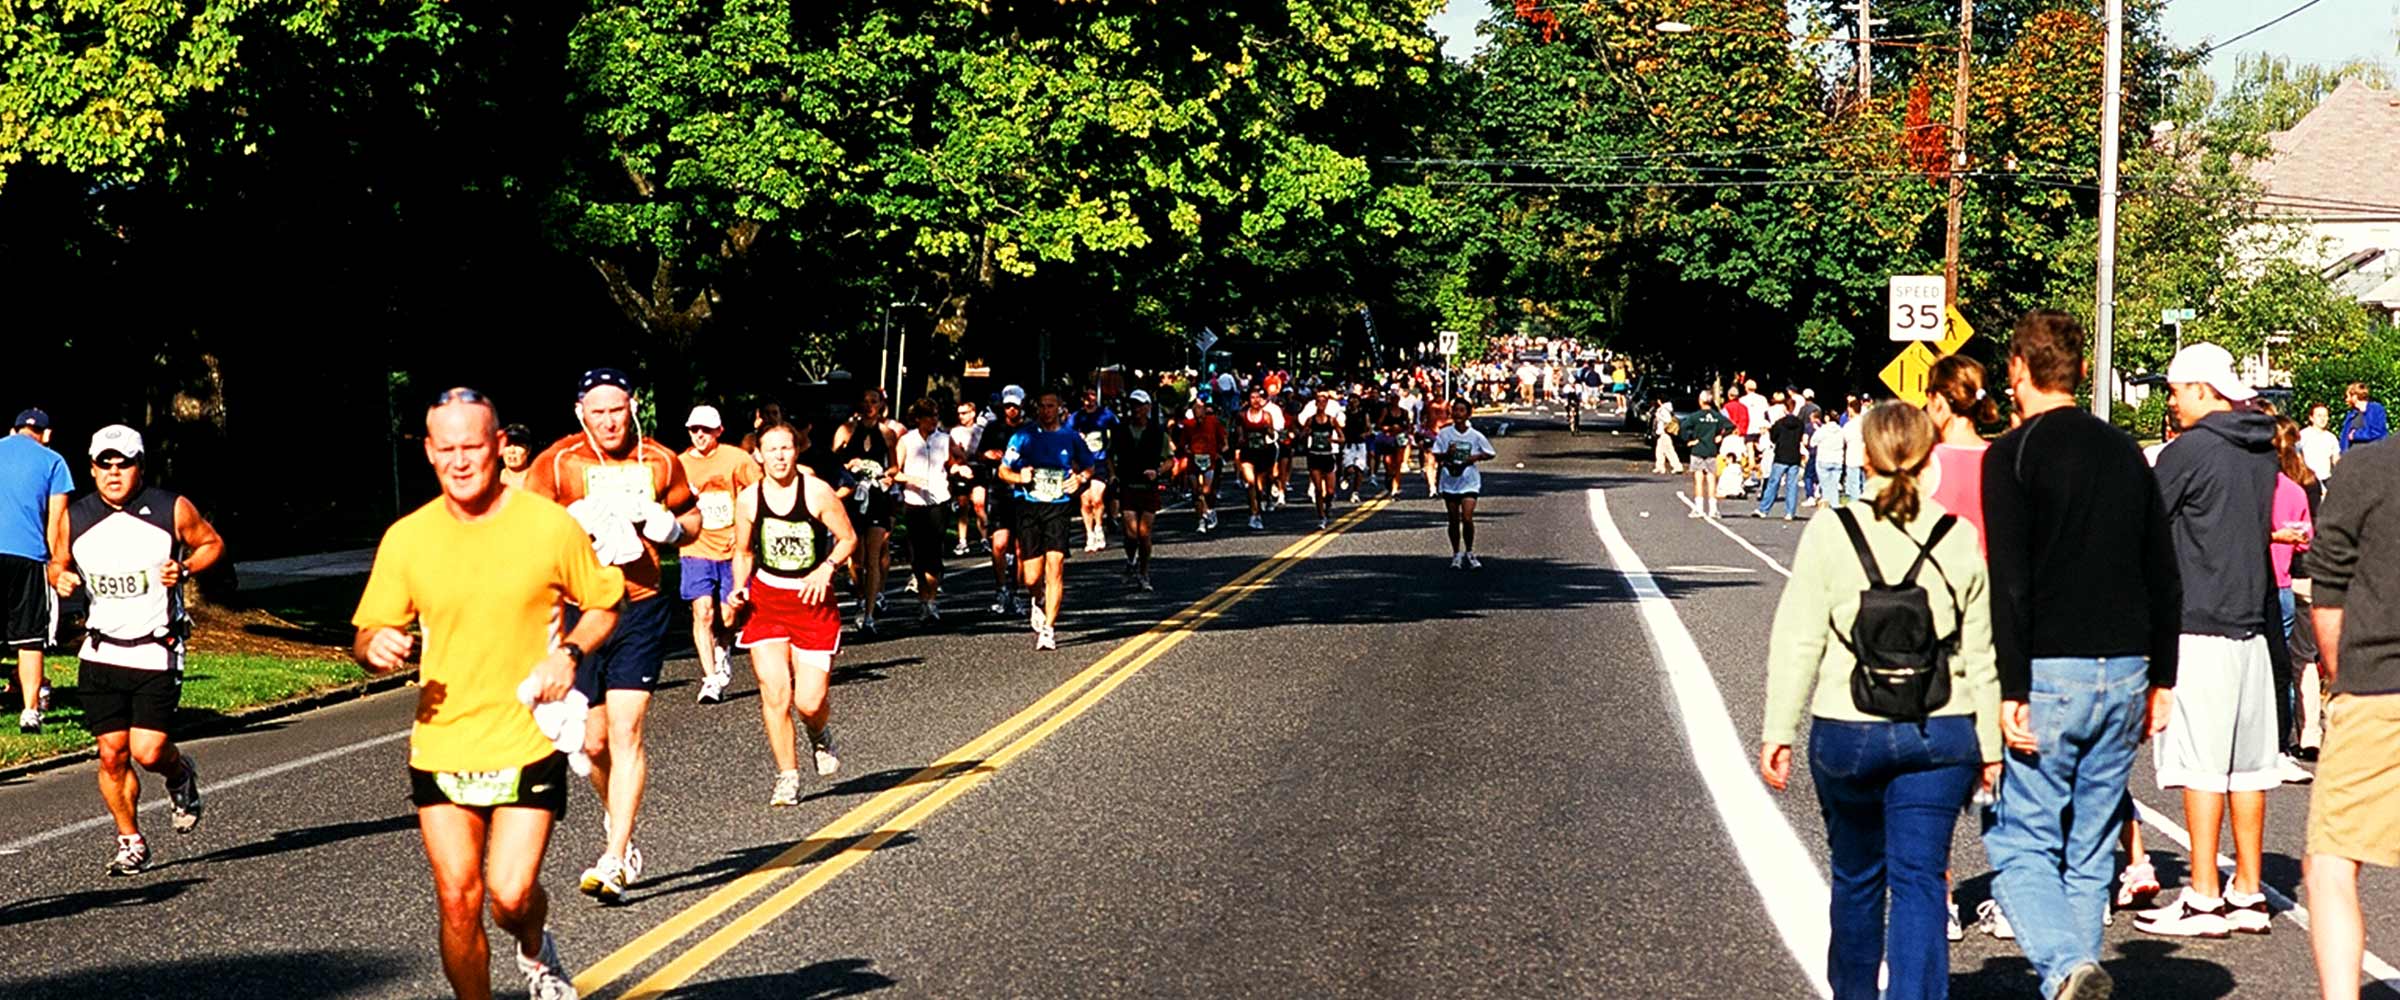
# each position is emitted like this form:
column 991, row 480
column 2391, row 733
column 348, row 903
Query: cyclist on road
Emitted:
column 484, row 570
column 790, row 531
column 130, row 547
column 630, row 494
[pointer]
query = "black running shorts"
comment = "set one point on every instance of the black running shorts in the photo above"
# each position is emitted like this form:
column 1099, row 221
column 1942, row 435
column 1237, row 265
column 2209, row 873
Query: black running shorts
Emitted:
column 539, row 785
column 1043, row 527
column 116, row 699
column 25, row 603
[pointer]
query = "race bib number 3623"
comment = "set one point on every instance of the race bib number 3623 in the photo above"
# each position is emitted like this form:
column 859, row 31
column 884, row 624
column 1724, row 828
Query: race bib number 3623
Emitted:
column 789, row 546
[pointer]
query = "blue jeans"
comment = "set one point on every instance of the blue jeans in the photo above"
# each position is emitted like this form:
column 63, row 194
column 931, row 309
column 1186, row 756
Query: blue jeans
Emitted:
column 1829, row 481
column 2054, row 838
column 1854, row 480
column 1782, row 480
column 1891, row 791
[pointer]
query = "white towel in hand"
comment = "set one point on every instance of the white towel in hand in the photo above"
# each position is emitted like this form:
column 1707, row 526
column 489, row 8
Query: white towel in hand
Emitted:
column 614, row 539
column 561, row 721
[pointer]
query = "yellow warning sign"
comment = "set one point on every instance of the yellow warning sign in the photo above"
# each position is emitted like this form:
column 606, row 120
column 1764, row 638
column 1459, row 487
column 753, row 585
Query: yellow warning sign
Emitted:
column 1956, row 336
column 1907, row 373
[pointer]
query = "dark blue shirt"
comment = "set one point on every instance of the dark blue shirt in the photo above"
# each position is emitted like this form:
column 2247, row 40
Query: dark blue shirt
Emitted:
column 1050, row 456
column 2364, row 426
column 1093, row 428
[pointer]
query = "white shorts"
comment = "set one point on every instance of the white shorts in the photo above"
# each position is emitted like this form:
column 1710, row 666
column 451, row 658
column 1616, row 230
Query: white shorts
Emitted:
column 2221, row 734
column 1354, row 456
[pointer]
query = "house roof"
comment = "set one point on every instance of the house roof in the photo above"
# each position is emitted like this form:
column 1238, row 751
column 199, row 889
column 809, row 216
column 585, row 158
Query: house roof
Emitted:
column 2336, row 163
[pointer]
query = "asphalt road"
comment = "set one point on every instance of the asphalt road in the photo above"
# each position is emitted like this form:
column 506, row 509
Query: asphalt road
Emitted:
column 1309, row 765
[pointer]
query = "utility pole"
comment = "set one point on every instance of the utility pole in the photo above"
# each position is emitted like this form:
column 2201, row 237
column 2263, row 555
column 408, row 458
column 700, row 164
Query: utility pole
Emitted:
column 1866, row 47
column 2104, row 313
column 1958, row 148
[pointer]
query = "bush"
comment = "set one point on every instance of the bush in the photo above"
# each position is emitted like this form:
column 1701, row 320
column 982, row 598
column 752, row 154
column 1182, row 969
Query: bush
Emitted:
column 2376, row 363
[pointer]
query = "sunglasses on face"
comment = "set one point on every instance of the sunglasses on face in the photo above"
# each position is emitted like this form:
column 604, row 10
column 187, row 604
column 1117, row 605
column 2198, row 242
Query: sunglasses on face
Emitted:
column 114, row 462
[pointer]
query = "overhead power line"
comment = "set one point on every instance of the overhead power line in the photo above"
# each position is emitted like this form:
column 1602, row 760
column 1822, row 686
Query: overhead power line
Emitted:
column 2279, row 19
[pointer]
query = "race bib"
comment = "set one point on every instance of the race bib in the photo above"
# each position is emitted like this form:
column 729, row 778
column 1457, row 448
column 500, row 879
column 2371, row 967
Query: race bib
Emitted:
column 1204, row 463
column 480, row 788
column 1255, row 440
column 1093, row 442
column 601, row 481
column 787, row 546
column 1047, row 485
column 1459, row 452
column 1321, row 442
column 716, row 510
column 119, row 585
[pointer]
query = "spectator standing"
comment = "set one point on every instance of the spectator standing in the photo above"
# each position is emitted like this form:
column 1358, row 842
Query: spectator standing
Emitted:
column 1854, row 452
column 2354, row 810
column 1955, row 399
column 2318, row 447
column 1663, row 427
column 33, row 504
column 2086, row 605
column 2365, row 423
column 1784, row 447
column 1825, row 444
column 1701, row 432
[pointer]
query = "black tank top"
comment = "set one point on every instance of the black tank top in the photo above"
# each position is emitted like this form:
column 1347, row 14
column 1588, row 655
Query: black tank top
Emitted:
column 788, row 545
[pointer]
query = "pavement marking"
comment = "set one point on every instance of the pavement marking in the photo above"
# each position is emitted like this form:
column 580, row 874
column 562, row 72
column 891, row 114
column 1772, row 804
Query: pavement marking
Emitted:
column 1786, row 877
column 856, row 834
column 213, row 787
column 1739, row 540
column 2284, row 906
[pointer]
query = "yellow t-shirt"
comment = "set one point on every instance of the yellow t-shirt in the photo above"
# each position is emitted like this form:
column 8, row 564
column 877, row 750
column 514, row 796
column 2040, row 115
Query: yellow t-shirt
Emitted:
column 488, row 594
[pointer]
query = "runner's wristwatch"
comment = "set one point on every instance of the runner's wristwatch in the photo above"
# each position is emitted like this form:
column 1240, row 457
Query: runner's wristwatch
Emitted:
column 574, row 653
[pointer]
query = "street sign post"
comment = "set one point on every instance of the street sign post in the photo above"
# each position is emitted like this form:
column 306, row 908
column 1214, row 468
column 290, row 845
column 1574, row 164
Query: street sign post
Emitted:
column 1449, row 343
column 1917, row 305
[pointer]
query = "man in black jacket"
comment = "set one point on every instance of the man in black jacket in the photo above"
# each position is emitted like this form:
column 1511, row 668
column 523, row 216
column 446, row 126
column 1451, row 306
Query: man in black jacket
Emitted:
column 2217, row 481
column 2085, row 606
column 1788, row 435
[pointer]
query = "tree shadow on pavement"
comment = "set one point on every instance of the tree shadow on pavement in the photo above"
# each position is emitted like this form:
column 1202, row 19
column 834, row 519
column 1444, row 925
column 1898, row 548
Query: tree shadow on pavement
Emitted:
column 72, row 904
column 2143, row 970
column 841, row 977
column 302, row 839
column 276, row 974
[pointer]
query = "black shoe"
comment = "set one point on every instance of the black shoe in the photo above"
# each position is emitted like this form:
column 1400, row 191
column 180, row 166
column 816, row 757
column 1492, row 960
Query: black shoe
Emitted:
column 2305, row 755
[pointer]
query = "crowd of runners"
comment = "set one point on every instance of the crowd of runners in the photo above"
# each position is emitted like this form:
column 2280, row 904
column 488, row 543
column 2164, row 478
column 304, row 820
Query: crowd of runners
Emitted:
column 2008, row 621
column 533, row 594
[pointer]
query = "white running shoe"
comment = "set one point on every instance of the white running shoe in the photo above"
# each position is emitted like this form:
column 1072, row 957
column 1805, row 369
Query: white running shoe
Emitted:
column 1144, row 582
column 2087, row 982
column 821, row 744
column 1256, row 524
column 545, row 978
column 133, row 855
column 1695, row 514
column 2190, row 915
column 999, row 604
column 2137, row 888
column 959, row 549
column 1034, row 618
column 605, row 879
column 1957, row 931
column 712, row 690
column 29, row 721
column 1458, row 560
column 2291, row 772
column 183, row 794
column 633, row 864
column 2248, row 914
column 1994, row 922
column 1209, row 521
column 787, row 789
column 1324, row 523
column 1045, row 638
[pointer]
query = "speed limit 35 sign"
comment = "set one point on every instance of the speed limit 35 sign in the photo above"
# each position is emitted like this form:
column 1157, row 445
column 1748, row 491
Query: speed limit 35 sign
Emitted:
column 1917, row 307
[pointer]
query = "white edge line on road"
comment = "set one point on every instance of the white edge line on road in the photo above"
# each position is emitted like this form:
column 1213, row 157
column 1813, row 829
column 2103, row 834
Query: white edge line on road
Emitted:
column 236, row 781
column 1786, row 877
column 1739, row 540
column 2289, row 908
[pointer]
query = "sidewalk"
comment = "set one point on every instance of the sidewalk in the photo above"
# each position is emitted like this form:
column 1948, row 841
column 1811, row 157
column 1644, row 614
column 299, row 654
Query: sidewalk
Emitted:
column 263, row 573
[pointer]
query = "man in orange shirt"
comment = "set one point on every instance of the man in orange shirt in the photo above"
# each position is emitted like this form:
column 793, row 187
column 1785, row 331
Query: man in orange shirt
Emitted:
column 705, row 566
column 484, row 571
column 630, row 494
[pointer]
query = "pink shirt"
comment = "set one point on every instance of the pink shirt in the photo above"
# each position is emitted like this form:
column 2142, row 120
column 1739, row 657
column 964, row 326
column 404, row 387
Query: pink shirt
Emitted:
column 1961, row 490
column 2291, row 505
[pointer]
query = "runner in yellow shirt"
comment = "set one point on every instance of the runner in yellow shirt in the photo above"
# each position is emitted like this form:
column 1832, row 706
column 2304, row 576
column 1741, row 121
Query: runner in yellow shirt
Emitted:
column 484, row 572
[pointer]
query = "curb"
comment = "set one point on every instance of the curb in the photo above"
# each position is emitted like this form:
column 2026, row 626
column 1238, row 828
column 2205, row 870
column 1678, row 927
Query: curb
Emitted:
column 233, row 721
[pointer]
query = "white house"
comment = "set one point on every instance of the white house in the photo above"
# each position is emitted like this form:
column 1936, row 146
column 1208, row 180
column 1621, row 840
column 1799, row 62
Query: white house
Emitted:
column 2336, row 175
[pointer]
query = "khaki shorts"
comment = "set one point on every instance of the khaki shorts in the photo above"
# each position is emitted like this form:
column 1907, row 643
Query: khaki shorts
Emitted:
column 2354, row 808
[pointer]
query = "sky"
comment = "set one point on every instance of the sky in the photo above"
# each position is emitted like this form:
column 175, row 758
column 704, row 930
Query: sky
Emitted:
column 2333, row 31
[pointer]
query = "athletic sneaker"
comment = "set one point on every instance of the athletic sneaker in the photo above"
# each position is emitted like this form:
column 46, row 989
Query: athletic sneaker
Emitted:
column 1696, row 514
column 1034, row 618
column 821, row 744
column 1957, row 931
column 1209, row 523
column 999, row 604
column 2138, row 888
column 545, row 979
column 866, row 624
column 29, row 721
column 712, row 690
column 1098, row 541
column 959, row 549
column 133, row 855
column 1045, row 638
column 1472, row 562
column 1994, row 922
column 605, row 880
column 1256, row 524
column 1016, row 603
column 2248, row 914
column 1324, row 523
column 2086, row 982
column 2291, row 772
column 787, row 789
column 184, row 795
column 1143, row 581
column 2190, row 915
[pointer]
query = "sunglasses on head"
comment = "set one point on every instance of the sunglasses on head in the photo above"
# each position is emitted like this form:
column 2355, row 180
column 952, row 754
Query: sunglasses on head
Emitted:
column 462, row 394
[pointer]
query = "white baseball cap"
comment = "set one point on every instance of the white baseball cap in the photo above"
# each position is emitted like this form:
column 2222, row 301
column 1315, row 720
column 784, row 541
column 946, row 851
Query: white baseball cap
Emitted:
column 1012, row 394
column 117, row 438
column 1138, row 397
column 705, row 416
column 2209, row 365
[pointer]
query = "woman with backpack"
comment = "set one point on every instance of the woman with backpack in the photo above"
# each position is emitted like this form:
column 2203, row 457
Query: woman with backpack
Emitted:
column 1883, row 640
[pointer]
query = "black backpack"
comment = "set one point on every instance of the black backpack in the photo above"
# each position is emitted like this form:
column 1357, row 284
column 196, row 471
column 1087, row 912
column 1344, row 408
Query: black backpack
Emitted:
column 1903, row 669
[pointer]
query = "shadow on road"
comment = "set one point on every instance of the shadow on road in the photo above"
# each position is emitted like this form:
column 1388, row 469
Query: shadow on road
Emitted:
column 302, row 839
column 2143, row 970
column 841, row 977
column 281, row 974
column 734, row 864
column 72, row 904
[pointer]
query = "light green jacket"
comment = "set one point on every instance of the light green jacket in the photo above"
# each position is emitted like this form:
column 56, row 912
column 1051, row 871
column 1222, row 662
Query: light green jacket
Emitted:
column 1808, row 667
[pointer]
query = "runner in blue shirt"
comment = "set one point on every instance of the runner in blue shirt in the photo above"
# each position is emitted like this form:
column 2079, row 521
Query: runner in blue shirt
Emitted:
column 1048, row 465
column 1093, row 423
column 33, row 500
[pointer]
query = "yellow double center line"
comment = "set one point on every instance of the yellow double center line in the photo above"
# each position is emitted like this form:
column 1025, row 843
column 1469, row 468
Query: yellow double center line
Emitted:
column 850, row 838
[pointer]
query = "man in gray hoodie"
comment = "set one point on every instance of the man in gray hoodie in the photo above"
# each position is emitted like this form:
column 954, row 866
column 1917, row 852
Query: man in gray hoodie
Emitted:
column 2217, row 481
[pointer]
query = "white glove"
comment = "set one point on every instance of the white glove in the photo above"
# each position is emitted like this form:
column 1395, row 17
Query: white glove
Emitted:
column 562, row 722
column 613, row 537
column 660, row 526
